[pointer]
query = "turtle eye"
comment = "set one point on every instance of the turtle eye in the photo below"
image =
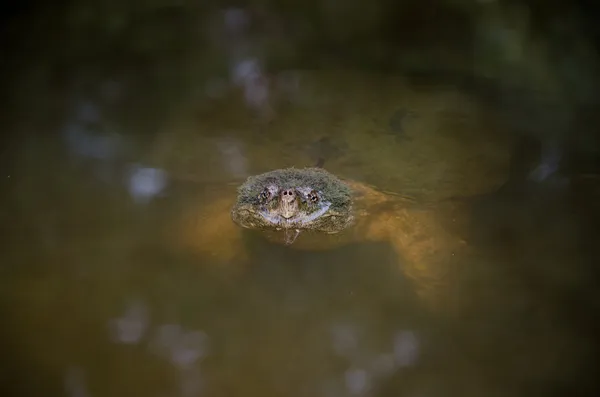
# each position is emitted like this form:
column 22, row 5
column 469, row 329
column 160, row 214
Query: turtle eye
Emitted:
column 313, row 197
column 264, row 195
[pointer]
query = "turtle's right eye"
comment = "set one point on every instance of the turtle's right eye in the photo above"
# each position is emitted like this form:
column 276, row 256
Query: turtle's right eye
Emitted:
column 264, row 195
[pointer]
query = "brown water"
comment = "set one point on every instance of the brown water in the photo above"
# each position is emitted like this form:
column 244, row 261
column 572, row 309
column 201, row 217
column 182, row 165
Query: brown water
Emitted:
column 97, row 300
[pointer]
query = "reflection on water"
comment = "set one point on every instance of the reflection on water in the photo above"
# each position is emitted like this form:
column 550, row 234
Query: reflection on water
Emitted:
column 144, row 183
column 97, row 302
column 131, row 327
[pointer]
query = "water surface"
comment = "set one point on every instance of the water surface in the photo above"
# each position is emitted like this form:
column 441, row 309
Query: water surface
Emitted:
column 97, row 301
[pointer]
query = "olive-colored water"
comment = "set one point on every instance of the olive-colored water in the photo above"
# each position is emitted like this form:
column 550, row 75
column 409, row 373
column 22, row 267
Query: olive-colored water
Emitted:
column 97, row 299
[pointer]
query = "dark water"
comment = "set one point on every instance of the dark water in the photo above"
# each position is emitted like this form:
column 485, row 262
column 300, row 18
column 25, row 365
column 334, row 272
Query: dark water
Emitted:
column 97, row 297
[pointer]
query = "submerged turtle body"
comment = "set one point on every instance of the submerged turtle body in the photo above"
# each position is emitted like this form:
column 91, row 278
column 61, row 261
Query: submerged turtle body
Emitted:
column 314, row 210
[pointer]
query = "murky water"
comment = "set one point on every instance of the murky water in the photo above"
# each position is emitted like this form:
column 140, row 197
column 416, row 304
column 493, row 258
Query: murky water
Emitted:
column 97, row 301
column 99, row 298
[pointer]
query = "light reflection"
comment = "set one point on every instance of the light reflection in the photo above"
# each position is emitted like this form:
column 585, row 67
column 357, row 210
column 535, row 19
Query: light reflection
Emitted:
column 406, row 348
column 131, row 327
column 367, row 366
column 182, row 348
column 145, row 183
column 549, row 163
column 86, row 136
column 357, row 381
column 248, row 74
column 233, row 156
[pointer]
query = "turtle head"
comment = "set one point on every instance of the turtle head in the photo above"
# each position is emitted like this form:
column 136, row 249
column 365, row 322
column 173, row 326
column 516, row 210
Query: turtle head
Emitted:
column 300, row 199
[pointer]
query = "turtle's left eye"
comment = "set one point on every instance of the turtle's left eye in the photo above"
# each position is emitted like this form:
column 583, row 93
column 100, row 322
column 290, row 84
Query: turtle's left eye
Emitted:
column 313, row 197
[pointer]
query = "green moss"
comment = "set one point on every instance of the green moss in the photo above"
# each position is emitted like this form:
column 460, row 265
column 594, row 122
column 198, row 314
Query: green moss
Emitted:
column 335, row 191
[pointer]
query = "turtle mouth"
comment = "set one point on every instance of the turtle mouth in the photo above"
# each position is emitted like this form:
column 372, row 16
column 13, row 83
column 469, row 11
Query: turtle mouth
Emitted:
column 298, row 218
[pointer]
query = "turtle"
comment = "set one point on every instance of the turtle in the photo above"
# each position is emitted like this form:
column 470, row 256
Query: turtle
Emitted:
column 313, row 209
